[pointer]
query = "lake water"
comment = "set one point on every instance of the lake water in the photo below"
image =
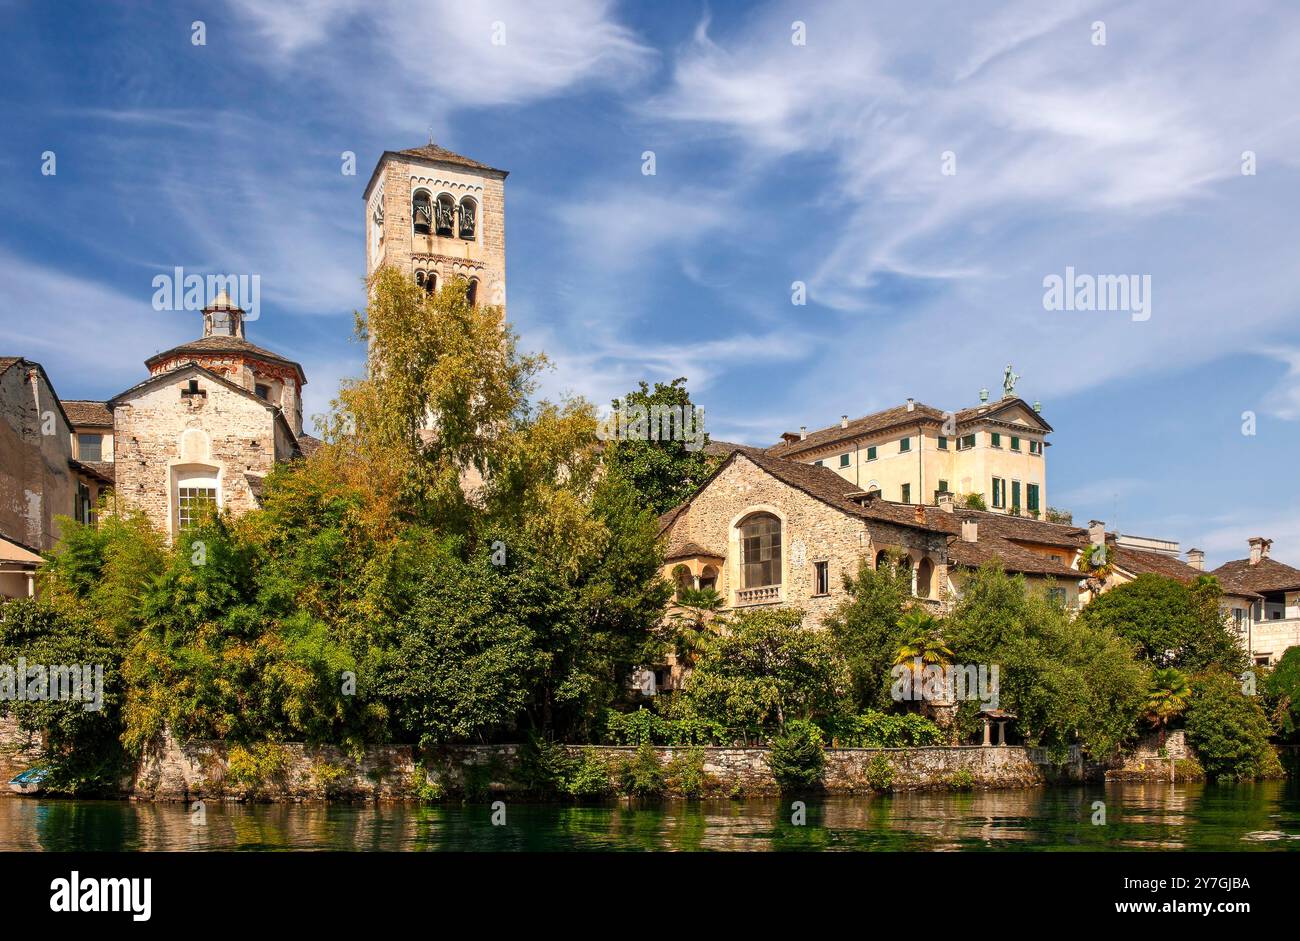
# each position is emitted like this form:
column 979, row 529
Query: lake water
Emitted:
column 1255, row 817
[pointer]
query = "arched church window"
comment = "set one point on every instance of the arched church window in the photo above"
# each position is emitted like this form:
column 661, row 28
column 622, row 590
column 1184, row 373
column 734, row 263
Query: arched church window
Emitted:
column 471, row 293
column 431, row 282
column 445, row 215
column 419, row 279
column 422, row 212
column 468, row 218
column 760, row 551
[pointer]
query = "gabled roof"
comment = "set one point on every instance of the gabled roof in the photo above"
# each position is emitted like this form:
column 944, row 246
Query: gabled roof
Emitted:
column 901, row 416
column 8, row 362
column 217, row 345
column 1266, row 575
column 86, row 413
column 173, row 374
column 1141, row 562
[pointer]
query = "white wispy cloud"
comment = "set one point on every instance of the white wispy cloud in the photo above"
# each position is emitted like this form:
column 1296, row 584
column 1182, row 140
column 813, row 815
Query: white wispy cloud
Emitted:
column 451, row 54
column 1123, row 158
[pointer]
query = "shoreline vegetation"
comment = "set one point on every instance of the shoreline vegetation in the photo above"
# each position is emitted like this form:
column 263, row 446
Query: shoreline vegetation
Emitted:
column 494, row 582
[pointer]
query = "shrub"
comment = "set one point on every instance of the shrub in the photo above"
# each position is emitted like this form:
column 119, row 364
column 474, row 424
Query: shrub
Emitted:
column 961, row 780
column 796, row 756
column 257, row 768
column 880, row 773
column 543, row 768
column 589, row 778
column 643, row 774
column 328, row 778
column 685, row 773
column 874, row 729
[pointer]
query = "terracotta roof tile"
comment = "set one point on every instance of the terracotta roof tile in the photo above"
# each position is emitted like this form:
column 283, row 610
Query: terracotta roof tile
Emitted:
column 88, row 413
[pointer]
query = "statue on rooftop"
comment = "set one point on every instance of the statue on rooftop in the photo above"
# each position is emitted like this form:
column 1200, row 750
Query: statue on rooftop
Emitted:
column 1008, row 381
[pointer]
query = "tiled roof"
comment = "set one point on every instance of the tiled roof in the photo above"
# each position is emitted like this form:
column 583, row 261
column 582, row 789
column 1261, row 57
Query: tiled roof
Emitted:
column 1267, row 575
column 88, row 413
column 685, row 550
column 442, row 154
column 225, row 345
column 897, row 417
column 1140, row 562
column 7, row 361
column 104, row 470
column 309, row 444
column 719, row 448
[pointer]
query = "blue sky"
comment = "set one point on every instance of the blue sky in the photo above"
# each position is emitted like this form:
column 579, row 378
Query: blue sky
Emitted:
column 775, row 163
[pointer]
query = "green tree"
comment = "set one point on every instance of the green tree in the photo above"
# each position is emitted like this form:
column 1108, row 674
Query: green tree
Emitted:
column 78, row 738
column 664, row 472
column 865, row 630
column 1173, row 624
column 1281, row 687
column 1067, row 680
column 766, row 669
column 1229, row 730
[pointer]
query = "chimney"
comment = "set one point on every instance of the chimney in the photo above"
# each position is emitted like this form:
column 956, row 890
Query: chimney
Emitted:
column 946, row 501
column 1097, row 532
column 1196, row 559
column 1259, row 547
column 911, row 405
column 803, row 432
column 844, row 421
column 970, row 530
column 920, row 513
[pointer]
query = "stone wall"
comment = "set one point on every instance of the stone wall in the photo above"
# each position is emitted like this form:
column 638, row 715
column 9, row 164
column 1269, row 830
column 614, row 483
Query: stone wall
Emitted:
column 177, row 771
column 36, row 482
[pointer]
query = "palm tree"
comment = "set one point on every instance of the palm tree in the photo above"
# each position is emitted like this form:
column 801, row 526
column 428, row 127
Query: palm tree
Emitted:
column 923, row 646
column 694, row 611
column 1167, row 696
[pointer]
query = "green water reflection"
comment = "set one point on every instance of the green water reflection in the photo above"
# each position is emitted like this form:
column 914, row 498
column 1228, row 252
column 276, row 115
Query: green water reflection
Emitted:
column 1263, row 816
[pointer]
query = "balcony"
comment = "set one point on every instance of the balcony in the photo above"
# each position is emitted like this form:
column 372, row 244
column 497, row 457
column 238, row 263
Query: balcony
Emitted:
column 768, row 594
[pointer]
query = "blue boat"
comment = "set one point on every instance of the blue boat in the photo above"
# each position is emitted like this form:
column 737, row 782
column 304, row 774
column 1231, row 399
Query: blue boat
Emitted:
column 31, row 781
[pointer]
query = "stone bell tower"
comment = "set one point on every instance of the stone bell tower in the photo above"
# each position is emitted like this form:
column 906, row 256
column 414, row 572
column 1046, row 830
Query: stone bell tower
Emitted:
column 438, row 216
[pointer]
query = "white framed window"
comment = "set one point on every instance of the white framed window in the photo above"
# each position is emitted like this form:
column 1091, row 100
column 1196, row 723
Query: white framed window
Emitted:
column 197, row 490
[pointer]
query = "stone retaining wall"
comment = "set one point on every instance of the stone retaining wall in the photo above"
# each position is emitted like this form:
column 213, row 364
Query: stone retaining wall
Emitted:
column 177, row 771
